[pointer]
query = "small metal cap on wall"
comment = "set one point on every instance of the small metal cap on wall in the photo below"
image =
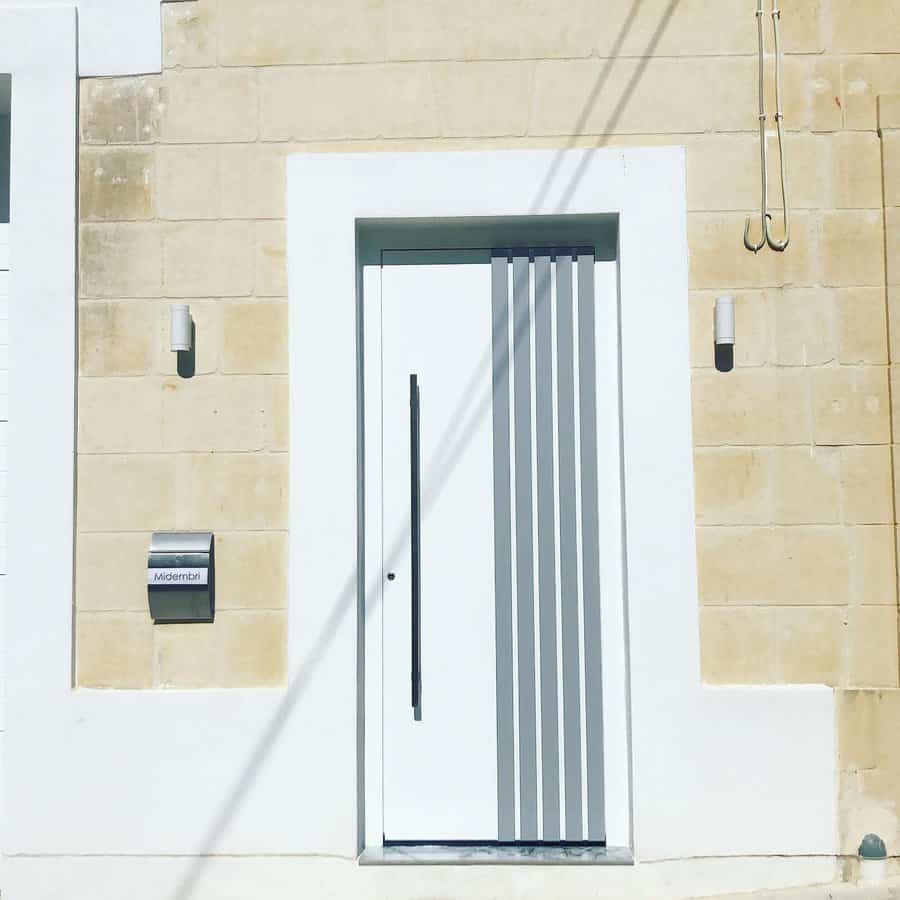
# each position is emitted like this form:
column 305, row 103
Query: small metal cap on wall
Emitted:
column 181, row 576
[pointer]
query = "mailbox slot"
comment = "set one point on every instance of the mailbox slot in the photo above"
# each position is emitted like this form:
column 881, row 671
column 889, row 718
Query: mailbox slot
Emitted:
column 181, row 577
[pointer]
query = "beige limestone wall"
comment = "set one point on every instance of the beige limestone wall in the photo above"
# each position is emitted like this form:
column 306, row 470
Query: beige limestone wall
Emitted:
column 182, row 198
column 869, row 720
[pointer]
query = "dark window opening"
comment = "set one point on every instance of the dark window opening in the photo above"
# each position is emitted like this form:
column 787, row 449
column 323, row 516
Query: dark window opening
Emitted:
column 5, row 92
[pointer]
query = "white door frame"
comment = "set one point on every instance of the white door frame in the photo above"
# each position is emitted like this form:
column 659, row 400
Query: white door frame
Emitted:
column 615, row 692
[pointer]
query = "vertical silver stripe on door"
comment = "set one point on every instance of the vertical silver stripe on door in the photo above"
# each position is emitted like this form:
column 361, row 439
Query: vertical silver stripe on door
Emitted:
column 506, row 772
column 568, row 537
column 590, row 543
column 562, row 336
column 543, row 386
column 524, row 550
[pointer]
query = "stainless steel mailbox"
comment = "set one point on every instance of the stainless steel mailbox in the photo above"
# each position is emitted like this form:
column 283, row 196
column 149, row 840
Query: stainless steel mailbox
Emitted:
column 181, row 576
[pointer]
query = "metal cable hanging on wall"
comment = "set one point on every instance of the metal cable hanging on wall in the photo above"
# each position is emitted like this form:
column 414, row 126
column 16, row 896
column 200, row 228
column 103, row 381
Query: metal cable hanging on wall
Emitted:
column 765, row 218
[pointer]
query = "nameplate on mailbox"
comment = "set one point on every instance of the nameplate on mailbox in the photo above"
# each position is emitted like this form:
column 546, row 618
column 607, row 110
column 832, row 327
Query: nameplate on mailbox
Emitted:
column 180, row 576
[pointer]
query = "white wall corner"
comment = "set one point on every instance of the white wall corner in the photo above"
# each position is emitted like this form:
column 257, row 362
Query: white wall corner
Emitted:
column 115, row 37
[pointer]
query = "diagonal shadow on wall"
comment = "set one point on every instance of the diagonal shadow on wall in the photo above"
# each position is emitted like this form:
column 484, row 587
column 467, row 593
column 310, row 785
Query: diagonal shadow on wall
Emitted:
column 468, row 415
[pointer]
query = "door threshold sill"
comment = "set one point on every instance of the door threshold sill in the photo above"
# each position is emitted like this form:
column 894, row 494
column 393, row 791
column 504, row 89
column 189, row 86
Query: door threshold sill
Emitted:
column 489, row 855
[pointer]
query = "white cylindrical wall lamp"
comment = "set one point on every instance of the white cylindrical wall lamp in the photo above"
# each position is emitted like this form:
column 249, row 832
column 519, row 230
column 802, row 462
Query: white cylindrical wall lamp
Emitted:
column 724, row 334
column 180, row 328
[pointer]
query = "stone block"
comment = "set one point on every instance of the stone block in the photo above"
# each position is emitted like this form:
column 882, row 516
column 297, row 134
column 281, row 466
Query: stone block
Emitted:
column 889, row 111
column 809, row 643
column 863, row 79
column 666, row 29
column 756, row 406
column 483, row 99
column 120, row 260
column 890, row 144
column 766, row 566
column 873, row 574
column 870, row 28
column 278, row 435
column 188, row 182
column 209, row 106
column 110, row 572
column 189, row 656
column 120, row 415
column 867, row 485
column 857, row 170
column 722, row 172
column 387, row 101
column 283, row 33
column 209, row 259
column 892, row 231
column 733, row 485
column 719, row 261
column 851, row 405
column 738, row 566
column 807, row 485
column 893, row 317
column 623, row 96
column 113, row 650
column 128, row 492
column 255, row 648
column 852, row 248
column 811, row 182
column 212, row 413
column 252, row 181
column 804, row 326
column 872, row 659
column 737, row 645
column 503, row 29
column 251, row 570
column 116, row 184
column 233, row 491
column 120, row 110
column 811, row 93
column 862, row 326
column 115, row 338
column 814, row 567
column 255, row 337
column 859, row 713
column 189, row 35
column 271, row 259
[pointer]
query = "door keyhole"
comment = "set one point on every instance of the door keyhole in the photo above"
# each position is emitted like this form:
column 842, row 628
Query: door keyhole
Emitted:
column 391, row 576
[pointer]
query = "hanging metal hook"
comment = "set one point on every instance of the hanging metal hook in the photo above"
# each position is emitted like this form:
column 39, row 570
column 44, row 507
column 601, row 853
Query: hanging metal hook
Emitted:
column 763, row 212
column 765, row 217
column 779, row 245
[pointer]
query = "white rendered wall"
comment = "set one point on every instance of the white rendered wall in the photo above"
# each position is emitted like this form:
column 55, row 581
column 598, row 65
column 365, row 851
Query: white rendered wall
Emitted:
column 115, row 37
column 4, row 439
column 4, row 410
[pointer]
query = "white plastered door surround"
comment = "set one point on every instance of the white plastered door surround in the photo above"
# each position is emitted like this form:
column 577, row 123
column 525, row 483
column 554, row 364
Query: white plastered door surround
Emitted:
column 715, row 771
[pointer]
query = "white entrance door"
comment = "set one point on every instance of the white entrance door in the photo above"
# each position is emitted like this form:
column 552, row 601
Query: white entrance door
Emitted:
column 492, row 685
column 440, row 777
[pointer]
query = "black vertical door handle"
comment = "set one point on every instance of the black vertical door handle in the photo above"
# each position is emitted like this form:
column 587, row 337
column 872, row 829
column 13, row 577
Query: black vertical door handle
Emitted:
column 416, row 536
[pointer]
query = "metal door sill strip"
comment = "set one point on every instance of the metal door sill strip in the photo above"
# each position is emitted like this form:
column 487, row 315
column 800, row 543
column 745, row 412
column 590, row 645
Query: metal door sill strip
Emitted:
column 491, row 855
